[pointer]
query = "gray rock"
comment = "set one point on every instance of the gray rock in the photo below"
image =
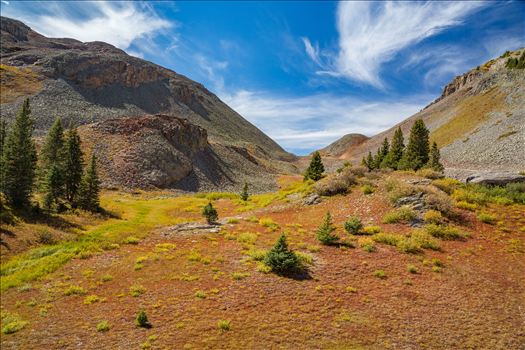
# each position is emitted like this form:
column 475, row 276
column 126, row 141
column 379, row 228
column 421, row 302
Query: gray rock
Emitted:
column 194, row 226
column 312, row 199
column 495, row 178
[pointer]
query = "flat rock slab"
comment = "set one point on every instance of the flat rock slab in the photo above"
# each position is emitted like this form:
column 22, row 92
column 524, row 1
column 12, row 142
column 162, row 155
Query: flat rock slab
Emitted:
column 495, row 178
column 192, row 227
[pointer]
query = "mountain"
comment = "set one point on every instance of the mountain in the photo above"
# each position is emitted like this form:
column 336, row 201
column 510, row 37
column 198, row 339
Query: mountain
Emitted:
column 478, row 121
column 343, row 145
column 95, row 82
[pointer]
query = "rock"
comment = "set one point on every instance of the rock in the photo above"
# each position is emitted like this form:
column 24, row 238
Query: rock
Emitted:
column 495, row 178
column 312, row 199
column 194, row 226
column 413, row 200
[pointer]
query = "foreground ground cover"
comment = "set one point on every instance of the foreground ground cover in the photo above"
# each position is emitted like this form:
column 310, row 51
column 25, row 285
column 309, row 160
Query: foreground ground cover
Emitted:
column 210, row 290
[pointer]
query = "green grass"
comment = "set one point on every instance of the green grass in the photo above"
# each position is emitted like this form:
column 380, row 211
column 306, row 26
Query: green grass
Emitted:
column 137, row 217
column 11, row 323
column 403, row 214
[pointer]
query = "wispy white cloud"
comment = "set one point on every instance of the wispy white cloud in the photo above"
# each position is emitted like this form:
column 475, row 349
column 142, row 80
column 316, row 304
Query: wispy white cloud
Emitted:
column 311, row 51
column 211, row 69
column 311, row 122
column 373, row 33
column 117, row 23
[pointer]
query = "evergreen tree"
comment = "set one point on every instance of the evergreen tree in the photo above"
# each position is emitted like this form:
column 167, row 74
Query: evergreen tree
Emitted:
column 88, row 194
column 396, row 151
column 382, row 152
column 324, row 232
column 244, row 194
column 142, row 320
column 434, row 161
column 3, row 130
column 369, row 161
column 19, row 159
column 378, row 158
column 53, row 187
column 315, row 169
column 416, row 153
column 53, row 149
column 281, row 259
column 210, row 213
column 73, row 164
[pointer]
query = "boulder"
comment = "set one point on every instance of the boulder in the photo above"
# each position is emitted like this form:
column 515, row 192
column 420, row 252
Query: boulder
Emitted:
column 312, row 199
column 495, row 178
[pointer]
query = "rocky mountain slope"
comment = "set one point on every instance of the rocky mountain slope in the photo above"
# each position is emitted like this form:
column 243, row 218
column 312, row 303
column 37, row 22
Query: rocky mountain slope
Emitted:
column 478, row 121
column 95, row 82
column 343, row 145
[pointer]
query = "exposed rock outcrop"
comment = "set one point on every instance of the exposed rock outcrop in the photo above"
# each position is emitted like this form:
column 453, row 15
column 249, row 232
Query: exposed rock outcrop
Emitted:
column 495, row 178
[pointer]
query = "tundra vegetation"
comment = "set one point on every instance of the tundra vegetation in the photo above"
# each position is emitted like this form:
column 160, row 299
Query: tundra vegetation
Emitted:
column 348, row 260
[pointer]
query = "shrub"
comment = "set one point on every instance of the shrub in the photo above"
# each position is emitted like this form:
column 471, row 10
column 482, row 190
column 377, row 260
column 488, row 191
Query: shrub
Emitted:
column 408, row 245
column 469, row 196
column 256, row 254
column 103, row 326
column 90, row 299
column 224, row 325
column 398, row 189
column 247, row 237
column 210, row 213
column 367, row 244
column 74, row 290
column 412, row 269
column 424, row 240
column 380, row 274
column 269, row 223
column 347, row 176
column 370, row 230
column 46, row 238
column 331, row 186
column 446, row 185
column 131, row 240
column 232, row 221
column 466, row 205
column 444, row 232
column 430, row 174
column 438, row 201
column 367, row 189
column 281, row 259
column 358, row 171
column 305, row 260
column 403, row 214
column 324, row 232
column 11, row 323
column 240, row 275
column 433, row 217
column 350, row 289
column 200, row 294
column 387, row 238
column 142, row 320
column 353, row 225
column 486, row 218
column 136, row 290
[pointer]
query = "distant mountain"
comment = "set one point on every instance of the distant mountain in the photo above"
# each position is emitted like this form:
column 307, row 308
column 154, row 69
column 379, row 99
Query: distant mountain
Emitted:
column 95, row 82
column 478, row 121
column 343, row 145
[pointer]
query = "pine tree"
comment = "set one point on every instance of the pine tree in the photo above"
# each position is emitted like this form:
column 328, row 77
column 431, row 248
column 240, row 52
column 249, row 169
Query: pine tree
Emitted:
column 19, row 159
column 3, row 130
column 73, row 164
column 210, row 213
column 396, row 151
column 88, row 194
column 315, row 169
column 244, row 194
column 53, row 187
column 281, row 259
column 382, row 152
column 369, row 162
column 416, row 153
column 324, row 232
column 434, row 161
column 52, row 152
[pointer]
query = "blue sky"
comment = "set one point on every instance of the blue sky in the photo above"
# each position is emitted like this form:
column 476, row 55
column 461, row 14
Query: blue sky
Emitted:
column 306, row 73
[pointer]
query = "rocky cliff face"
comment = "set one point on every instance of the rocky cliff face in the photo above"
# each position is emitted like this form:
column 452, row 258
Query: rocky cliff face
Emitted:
column 86, row 83
column 478, row 121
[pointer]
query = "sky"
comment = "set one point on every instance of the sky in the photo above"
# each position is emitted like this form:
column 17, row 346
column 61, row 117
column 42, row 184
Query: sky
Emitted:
column 305, row 73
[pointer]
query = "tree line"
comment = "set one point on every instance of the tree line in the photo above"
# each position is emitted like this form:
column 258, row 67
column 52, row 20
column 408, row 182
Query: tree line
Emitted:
column 57, row 173
column 416, row 155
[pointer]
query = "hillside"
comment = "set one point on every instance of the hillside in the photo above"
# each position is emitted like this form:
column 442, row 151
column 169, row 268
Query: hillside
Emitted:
column 478, row 121
column 94, row 82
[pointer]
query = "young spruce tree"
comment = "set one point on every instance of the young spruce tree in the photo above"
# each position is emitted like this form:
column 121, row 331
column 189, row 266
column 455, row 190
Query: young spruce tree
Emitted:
column 416, row 153
column 53, row 187
column 244, row 193
column 88, row 194
column 281, row 259
column 316, row 168
column 382, row 153
column 434, row 161
column 19, row 159
column 3, row 130
column 369, row 161
column 396, row 151
column 210, row 213
column 324, row 232
column 73, row 164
